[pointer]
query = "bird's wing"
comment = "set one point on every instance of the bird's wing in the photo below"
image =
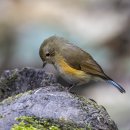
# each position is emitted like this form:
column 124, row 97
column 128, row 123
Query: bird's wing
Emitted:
column 81, row 60
column 73, row 58
column 91, row 67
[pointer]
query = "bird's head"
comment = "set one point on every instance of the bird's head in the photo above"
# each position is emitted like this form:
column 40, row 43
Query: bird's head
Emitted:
column 49, row 49
column 52, row 49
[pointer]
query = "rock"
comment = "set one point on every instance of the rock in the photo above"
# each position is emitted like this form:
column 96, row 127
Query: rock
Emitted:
column 36, row 94
column 13, row 82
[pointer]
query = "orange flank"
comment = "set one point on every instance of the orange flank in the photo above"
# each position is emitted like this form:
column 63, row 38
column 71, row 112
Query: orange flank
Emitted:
column 68, row 70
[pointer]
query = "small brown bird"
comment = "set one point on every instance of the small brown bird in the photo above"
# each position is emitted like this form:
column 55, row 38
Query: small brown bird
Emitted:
column 73, row 64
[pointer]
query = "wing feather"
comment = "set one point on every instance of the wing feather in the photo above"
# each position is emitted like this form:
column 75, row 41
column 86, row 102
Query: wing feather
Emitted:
column 81, row 60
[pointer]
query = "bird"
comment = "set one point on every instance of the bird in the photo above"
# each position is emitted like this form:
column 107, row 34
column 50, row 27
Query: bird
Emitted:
column 73, row 64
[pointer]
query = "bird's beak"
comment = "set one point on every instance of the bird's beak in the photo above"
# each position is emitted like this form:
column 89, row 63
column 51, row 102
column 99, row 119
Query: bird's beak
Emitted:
column 44, row 63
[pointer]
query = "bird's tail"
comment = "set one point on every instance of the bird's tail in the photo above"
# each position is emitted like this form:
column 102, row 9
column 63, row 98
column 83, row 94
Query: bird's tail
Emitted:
column 119, row 87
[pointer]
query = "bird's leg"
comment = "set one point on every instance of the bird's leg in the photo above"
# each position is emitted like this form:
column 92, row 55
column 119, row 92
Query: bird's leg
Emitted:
column 70, row 87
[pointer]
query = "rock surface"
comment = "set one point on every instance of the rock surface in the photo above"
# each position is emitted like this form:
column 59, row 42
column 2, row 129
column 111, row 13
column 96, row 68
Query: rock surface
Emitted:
column 46, row 99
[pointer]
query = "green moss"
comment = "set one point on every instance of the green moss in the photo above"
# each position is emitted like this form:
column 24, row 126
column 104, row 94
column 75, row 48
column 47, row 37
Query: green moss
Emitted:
column 33, row 123
column 23, row 126
column 89, row 127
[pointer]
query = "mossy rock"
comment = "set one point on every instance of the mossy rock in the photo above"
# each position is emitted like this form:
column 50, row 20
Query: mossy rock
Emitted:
column 48, row 102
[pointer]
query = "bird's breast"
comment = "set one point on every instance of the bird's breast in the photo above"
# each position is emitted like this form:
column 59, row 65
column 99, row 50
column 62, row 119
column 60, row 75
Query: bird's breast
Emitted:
column 69, row 73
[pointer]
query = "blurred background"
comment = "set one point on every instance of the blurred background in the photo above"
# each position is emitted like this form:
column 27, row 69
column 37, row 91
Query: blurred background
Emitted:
column 101, row 27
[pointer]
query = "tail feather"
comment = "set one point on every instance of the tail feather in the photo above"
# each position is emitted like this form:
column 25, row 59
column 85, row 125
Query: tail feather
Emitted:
column 119, row 87
column 109, row 80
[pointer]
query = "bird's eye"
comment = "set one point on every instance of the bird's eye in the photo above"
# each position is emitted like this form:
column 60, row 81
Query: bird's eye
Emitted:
column 47, row 54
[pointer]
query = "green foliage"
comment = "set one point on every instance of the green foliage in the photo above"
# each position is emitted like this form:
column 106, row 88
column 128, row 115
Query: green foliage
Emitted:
column 33, row 123
column 23, row 126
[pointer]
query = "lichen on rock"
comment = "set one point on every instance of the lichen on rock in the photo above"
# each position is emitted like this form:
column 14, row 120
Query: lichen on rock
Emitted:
column 36, row 95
